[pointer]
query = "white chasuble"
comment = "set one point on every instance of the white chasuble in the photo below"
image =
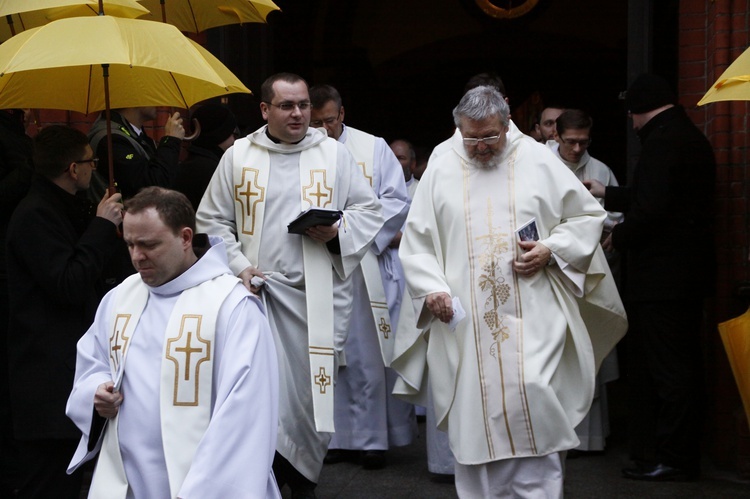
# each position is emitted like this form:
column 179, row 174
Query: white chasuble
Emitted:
column 517, row 373
column 317, row 178
column 362, row 147
column 186, row 378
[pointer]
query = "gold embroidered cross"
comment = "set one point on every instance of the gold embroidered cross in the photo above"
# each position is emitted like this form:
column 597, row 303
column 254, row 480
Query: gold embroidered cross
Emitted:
column 188, row 351
column 322, row 193
column 322, row 380
column 249, row 197
column 384, row 327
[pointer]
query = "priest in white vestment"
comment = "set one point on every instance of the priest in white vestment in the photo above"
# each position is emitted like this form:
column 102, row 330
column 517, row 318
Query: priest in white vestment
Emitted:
column 179, row 368
column 261, row 184
column 572, row 140
column 517, row 329
column 367, row 417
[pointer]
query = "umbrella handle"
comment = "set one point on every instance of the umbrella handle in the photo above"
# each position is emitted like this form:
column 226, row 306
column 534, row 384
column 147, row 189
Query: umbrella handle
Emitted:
column 196, row 131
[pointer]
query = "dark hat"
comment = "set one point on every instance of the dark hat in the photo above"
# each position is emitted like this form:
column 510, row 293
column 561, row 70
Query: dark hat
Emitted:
column 648, row 92
column 217, row 123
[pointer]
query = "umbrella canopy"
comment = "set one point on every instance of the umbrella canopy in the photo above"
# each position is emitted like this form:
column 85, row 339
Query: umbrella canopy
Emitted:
column 194, row 16
column 27, row 14
column 735, row 334
column 58, row 66
column 733, row 84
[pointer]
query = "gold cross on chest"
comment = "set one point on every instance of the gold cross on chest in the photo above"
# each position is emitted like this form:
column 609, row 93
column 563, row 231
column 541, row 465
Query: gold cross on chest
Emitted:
column 188, row 351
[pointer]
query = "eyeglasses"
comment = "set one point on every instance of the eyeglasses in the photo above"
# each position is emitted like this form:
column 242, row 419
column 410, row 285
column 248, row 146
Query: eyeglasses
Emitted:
column 320, row 123
column 94, row 162
column 289, row 106
column 573, row 142
column 487, row 140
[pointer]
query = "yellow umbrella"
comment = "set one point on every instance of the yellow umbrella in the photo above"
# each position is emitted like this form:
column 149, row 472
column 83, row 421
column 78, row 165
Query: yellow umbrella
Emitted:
column 21, row 15
column 194, row 16
column 735, row 334
column 87, row 64
column 733, row 84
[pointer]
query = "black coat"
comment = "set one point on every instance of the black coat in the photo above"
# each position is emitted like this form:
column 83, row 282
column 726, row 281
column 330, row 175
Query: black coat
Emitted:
column 55, row 251
column 134, row 171
column 15, row 171
column 669, row 212
column 196, row 171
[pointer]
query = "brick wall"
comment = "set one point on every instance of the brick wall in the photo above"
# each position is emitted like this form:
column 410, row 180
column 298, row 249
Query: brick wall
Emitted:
column 712, row 33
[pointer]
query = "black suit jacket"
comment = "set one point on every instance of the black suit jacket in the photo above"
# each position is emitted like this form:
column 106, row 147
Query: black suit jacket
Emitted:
column 56, row 251
column 669, row 212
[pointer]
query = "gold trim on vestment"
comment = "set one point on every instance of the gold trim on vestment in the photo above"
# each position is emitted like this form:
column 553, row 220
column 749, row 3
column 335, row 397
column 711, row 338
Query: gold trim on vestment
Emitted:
column 252, row 190
column 189, row 324
column 318, row 194
column 117, row 349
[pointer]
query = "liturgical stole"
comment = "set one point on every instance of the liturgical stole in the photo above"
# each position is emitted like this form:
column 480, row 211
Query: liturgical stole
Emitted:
column 317, row 170
column 186, row 378
column 362, row 147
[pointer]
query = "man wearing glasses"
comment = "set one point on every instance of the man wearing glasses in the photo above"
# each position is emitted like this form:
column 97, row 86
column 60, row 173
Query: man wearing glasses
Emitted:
column 262, row 183
column 572, row 140
column 56, row 252
column 368, row 419
column 511, row 359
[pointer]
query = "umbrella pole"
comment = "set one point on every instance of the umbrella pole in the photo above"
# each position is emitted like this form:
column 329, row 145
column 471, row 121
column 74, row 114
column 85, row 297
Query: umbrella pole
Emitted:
column 108, row 117
column 9, row 18
column 163, row 11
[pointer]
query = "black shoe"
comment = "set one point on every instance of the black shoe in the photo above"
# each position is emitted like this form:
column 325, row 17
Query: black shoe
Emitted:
column 334, row 456
column 373, row 459
column 303, row 494
column 659, row 473
column 442, row 478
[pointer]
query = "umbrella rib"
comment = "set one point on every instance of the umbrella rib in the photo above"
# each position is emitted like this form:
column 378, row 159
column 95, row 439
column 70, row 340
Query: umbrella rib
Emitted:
column 171, row 75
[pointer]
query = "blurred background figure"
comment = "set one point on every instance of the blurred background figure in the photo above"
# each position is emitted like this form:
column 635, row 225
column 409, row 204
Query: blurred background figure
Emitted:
column 218, row 129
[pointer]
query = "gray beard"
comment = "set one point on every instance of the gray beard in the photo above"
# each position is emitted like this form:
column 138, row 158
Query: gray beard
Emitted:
column 492, row 163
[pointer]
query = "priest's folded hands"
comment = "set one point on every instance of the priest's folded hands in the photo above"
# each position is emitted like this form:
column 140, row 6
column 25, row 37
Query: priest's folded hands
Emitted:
column 536, row 257
column 106, row 400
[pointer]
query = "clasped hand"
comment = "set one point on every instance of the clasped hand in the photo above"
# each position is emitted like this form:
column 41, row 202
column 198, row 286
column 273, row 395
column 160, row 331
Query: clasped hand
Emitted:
column 535, row 258
column 106, row 400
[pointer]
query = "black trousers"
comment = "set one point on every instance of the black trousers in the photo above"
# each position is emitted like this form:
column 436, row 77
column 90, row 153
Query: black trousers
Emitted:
column 665, row 375
column 286, row 474
column 43, row 465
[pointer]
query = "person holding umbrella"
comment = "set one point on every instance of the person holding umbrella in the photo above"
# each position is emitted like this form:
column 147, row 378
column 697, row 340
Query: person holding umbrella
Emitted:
column 137, row 160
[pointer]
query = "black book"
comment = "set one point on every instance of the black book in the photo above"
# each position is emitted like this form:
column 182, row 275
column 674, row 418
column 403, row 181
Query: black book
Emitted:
column 313, row 217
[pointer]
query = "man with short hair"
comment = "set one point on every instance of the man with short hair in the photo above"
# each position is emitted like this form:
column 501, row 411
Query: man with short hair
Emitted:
column 513, row 374
column 57, row 247
column 407, row 156
column 368, row 419
column 668, row 240
column 179, row 369
column 262, row 183
column 572, row 139
column 547, row 121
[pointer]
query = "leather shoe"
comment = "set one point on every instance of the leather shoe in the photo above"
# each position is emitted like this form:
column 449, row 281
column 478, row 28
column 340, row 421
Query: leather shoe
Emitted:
column 373, row 459
column 334, row 456
column 659, row 473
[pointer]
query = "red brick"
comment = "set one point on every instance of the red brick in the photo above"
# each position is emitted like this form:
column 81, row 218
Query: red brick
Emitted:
column 693, row 53
column 693, row 22
column 692, row 69
column 737, row 174
column 691, row 38
column 722, row 156
column 738, row 155
column 721, row 60
column 692, row 7
column 737, row 189
column 739, row 21
column 722, row 23
column 739, row 42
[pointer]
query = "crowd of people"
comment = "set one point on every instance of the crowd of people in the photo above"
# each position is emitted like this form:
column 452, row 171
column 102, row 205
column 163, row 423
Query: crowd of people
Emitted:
column 178, row 339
